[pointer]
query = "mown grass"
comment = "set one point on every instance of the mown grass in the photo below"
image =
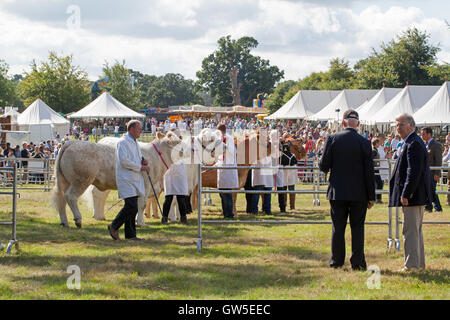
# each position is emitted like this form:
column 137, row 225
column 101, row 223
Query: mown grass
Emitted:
column 237, row 261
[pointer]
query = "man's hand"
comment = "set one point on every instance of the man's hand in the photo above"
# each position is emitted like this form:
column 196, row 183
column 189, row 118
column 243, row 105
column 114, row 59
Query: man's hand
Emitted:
column 144, row 162
column 436, row 177
column 145, row 168
column 370, row 204
column 404, row 202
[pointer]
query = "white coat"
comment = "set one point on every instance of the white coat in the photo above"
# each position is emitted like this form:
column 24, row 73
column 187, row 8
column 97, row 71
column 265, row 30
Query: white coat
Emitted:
column 228, row 179
column 384, row 174
column 129, row 178
column 175, row 180
column 263, row 177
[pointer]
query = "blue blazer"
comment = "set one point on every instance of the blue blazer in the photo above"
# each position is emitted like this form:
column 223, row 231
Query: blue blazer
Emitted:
column 411, row 178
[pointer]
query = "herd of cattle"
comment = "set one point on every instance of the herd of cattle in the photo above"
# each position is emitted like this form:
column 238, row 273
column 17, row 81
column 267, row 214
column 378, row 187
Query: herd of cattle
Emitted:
column 89, row 168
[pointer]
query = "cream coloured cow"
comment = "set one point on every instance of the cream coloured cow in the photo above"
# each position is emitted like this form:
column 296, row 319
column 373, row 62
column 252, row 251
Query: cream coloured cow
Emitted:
column 204, row 144
column 80, row 164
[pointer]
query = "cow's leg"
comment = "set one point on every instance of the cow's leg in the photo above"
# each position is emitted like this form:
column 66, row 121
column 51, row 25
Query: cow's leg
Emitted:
column 173, row 210
column 72, row 194
column 148, row 207
column 60, row 202
column 142, row 201
column 234, row 196
column 99, row 200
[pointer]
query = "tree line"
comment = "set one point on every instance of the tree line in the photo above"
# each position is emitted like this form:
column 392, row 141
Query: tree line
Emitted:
column 231, row 75
column 408, row 58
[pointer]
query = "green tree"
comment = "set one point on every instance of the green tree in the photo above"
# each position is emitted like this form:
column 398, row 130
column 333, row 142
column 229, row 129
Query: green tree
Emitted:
column 404, row 59
column 63, row 86
column 120, row 84
column 276, row 99
column 234, row 76
column 339, row 76
column 8, row 88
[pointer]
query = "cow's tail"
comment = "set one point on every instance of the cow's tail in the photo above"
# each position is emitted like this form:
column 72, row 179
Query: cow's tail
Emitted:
column 58, row 198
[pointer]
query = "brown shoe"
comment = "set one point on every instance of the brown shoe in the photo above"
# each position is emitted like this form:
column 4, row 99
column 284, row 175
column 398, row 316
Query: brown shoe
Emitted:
column 114, row 233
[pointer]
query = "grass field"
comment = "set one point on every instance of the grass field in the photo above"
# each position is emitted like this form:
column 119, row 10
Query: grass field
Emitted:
column 237, row 261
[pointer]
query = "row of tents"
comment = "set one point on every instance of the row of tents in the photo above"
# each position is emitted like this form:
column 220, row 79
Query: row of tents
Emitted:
column 39, row 122
column 429, row 105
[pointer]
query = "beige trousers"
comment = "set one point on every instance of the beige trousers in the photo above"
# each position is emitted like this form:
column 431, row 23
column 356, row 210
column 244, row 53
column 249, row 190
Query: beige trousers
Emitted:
column 413, row 237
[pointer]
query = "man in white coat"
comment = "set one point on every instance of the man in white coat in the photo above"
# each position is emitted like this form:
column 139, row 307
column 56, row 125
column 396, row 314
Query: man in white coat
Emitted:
column 227, row 179
column 262, row 179
column 175, row 184
column 129, row 180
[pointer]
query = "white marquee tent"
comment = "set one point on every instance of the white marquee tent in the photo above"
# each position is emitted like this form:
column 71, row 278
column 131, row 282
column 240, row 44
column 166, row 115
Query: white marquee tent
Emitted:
column 304, row 104
column 375, row 104
column 42, row 122
column 437, row 110
column 105, row 106
column 347, row 99
column 409, row 100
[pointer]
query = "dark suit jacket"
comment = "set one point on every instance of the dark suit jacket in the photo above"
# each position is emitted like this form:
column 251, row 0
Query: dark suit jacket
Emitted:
column 411, row 178
column 434, row 149
column 349, row 157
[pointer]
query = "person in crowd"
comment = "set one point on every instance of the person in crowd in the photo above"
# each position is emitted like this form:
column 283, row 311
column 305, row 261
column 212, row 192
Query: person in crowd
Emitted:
column 130, row 182
column 384, row 174
column 351, row 189
column 7, row 150
column 25, row 154
column 446, row 162
column 434, row 149
column 58, row 147
column 227, row 179
column 175, row 184
column 410, row 188
column 376, row 158
column 17, row 152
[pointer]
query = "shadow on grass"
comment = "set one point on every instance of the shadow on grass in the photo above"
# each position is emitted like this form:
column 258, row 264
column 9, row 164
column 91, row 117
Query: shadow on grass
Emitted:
column 427, row 275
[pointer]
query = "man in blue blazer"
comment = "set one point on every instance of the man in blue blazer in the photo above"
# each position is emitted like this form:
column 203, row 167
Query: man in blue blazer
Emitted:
column 410, row 188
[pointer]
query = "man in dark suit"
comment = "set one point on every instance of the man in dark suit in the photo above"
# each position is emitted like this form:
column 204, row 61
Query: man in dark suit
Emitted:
column 410, row 188
column 434, row 149
column 351, row 188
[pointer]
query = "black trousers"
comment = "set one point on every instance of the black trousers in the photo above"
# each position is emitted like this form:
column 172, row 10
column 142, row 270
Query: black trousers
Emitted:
column 127, row 216
column 378, row 185
column 282, row 199
column 227, row 204
column 181, row 205
column 340, row 211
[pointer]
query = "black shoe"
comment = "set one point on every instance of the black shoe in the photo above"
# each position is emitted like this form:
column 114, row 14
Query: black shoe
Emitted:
column 183, row 220
column 164, row 220
column 359, row 268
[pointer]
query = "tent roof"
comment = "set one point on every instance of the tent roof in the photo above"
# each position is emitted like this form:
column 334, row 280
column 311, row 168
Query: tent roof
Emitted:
column 409, row 100
column 106, row 106
column 437, row 110
column 40, row 113
column 304, row 104
column 377, row 102
column 347, row 99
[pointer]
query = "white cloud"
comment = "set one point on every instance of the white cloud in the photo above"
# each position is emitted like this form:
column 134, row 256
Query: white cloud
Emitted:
column 158, row 37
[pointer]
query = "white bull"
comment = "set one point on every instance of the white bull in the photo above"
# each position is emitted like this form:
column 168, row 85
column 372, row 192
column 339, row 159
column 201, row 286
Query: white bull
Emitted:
column 203, row 145
column 80, row 164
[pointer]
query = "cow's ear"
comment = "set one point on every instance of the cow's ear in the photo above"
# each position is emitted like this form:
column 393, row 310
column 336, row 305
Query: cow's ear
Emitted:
column 159, row 135
column 172, row 139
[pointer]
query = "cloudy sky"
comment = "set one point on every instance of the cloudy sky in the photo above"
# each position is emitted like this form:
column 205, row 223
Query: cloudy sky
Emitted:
column 162, row 36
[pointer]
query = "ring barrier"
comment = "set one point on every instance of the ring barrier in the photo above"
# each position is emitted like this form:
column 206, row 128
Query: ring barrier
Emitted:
column 316, row 174
column 13, row 222
column 38, row 172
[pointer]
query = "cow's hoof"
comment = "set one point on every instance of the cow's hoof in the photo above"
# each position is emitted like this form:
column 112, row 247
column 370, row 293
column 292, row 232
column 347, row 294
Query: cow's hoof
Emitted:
column 78, row 224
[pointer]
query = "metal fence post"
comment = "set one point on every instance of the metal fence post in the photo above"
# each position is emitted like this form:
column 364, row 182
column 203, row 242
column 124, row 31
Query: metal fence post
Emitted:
column 390, row 242
column 397, row 229
column 199, row 237
column 14, row 211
